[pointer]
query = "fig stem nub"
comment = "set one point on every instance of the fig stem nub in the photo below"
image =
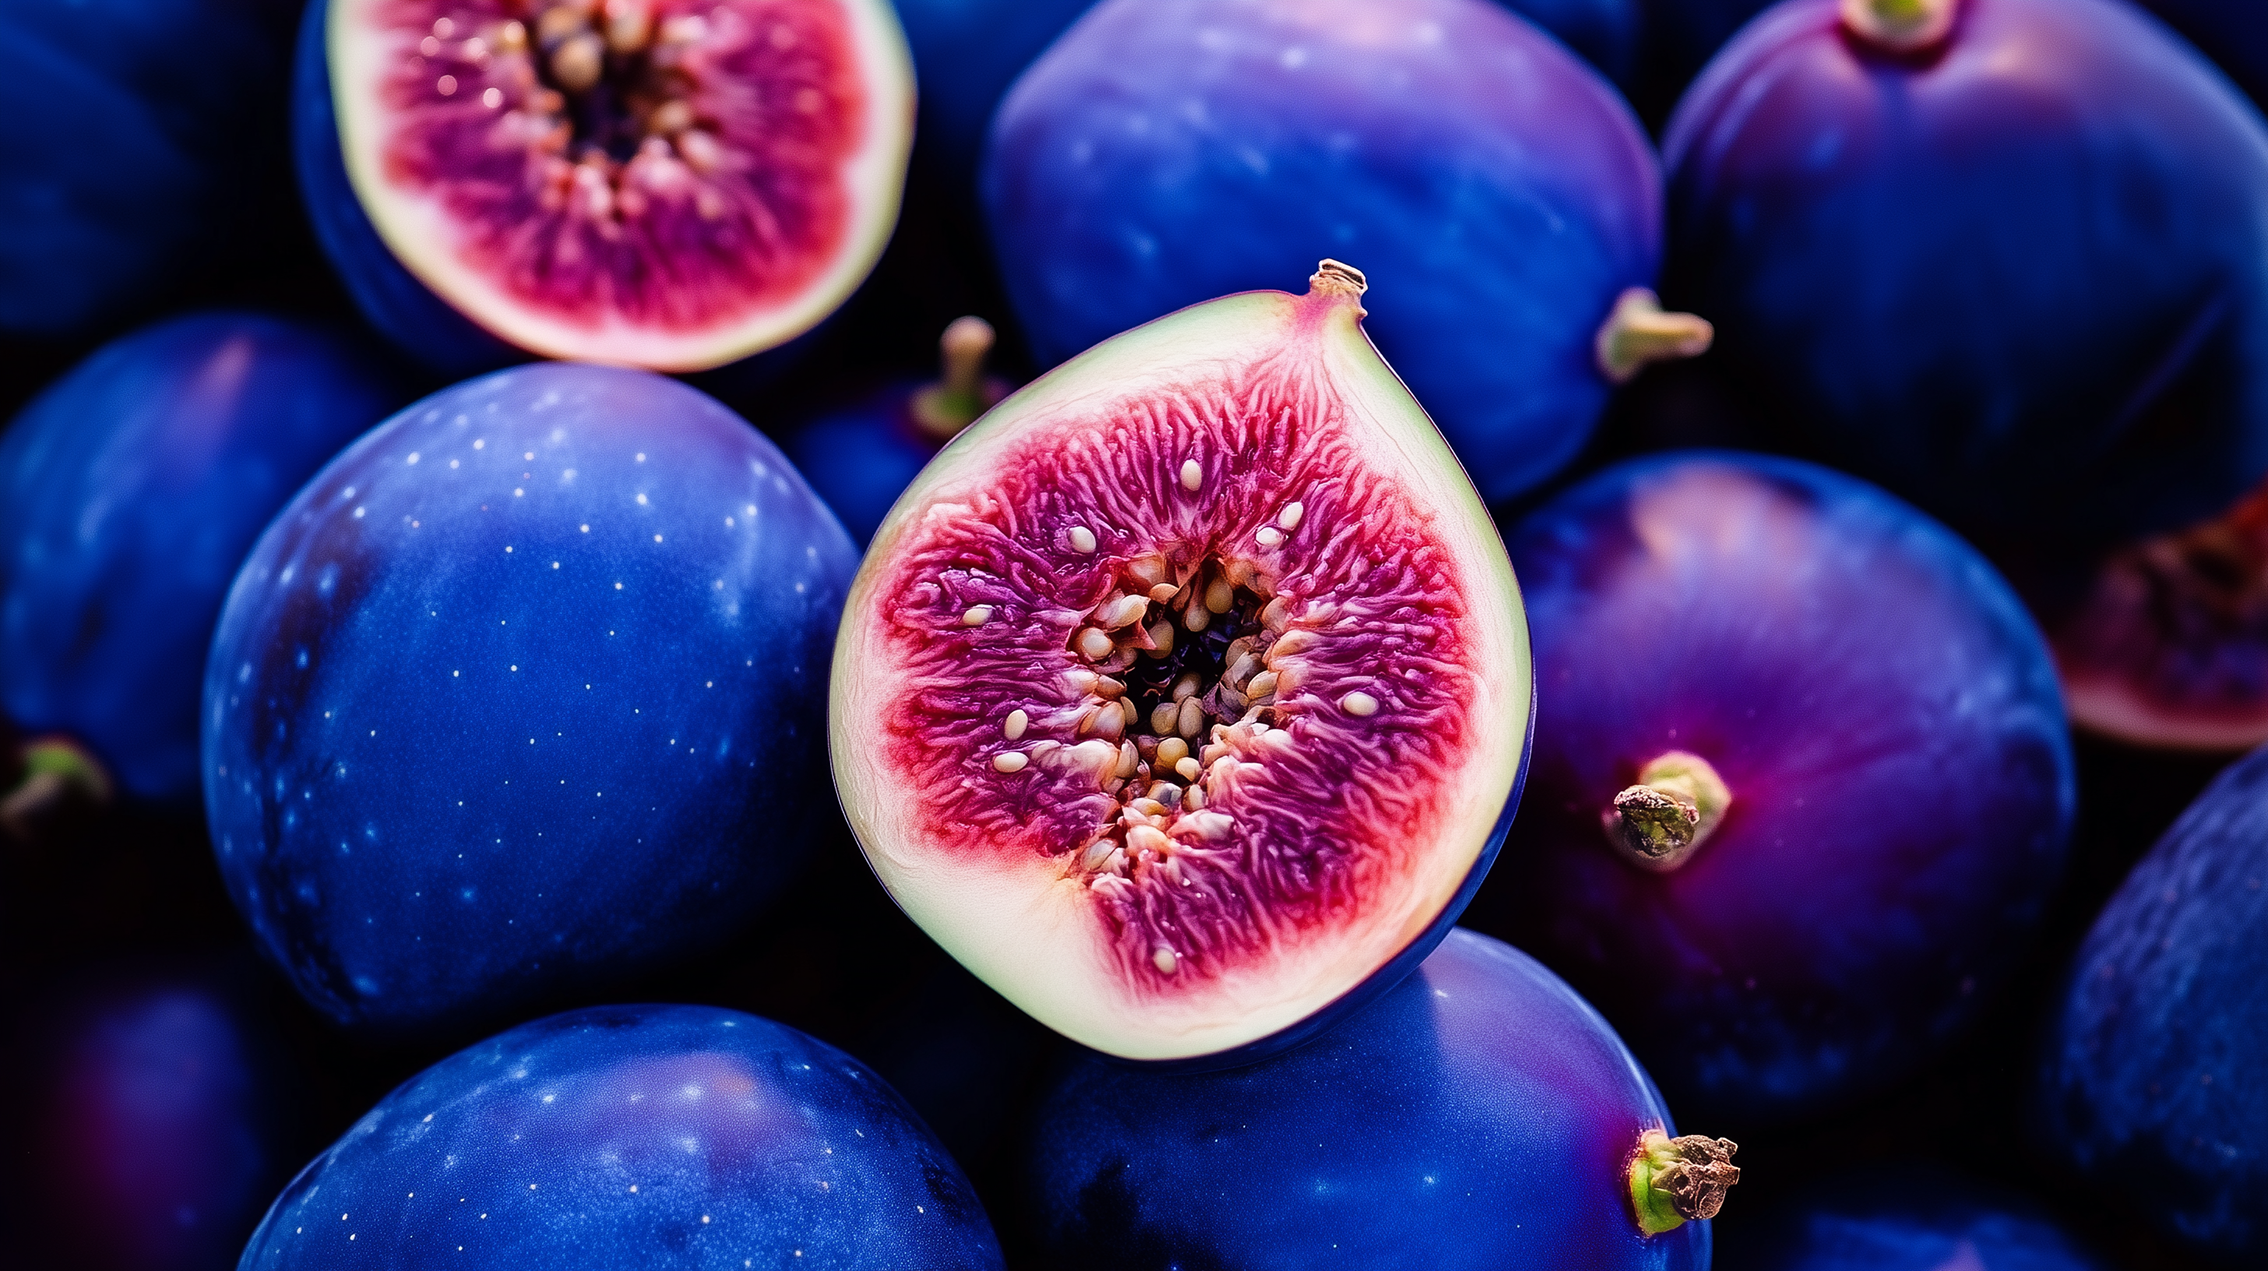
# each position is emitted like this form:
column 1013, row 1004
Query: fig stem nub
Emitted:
column 1676, row 1181
column 961, row 394
column 1660, row 822
column 1639, row 332
column 54, row 771
column 1335, row 278
column 1899, row 26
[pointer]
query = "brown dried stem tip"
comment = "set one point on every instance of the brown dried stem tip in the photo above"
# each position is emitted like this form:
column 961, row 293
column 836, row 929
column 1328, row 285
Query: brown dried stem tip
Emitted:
column 1639, row 333
column 1674, row 1181
column 1337, row 276
column 1662, row 821
column 962, row 392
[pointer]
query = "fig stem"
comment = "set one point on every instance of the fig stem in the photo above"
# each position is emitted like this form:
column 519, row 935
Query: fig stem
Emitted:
column 961, row 393
column 1662, row 821
column 1639, row 333
column 1680, row 1180
column 1899, row 26
column 54, row 769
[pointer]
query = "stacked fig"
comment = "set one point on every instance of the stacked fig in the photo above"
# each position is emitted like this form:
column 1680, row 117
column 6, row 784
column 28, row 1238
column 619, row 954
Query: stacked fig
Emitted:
column 531, row 579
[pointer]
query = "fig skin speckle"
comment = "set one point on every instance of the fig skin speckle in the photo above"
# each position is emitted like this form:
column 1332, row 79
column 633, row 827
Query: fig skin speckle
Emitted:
column 525, row 687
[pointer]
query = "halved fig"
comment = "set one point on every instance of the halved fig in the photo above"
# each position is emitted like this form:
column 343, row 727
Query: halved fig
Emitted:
column 2169, row 648
column 673, row 184
column 1186, row 694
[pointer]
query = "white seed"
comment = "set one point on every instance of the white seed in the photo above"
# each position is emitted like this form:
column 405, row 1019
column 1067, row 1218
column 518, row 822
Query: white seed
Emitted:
column 1241, row 668
column 1128, row 714
column 1163, row 715
column 1095, row 645
column 1262, row 684
column 1269, row 536
column 1148, row 838
column 1359, row 703
column 1082, row 680
column 1161, row 640
column 1172, row 751
column 1082, row 539
column 1275, row 614
column 576, row 64
column 1109, row 722
column 1289, row 517
column 1009, row 761
column 1197, row 618
column 1192, row 475
column 1016, row 723
column 1096, row 854
column 1188, row 767
column 1192, row 718
column 1187, row 686
column 628, row 27
column 670, row 118
column 1140, row 810
column 1128, row 760
column 1219, row 595
column 1164, row 592
column 976, row 615
column 1150, row 569
column 1097, row 757
column 1164, row 960
column 1165, row 794
column 1193, row 799
column 1122, row 612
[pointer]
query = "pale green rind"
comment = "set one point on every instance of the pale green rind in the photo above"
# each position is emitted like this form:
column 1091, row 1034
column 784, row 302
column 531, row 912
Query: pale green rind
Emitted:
column 419, row 234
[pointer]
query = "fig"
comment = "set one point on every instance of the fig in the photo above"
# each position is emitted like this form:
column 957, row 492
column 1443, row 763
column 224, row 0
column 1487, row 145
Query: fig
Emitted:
column 522, row 690
column 1606, row 32
column 1803, row 786
column 2008, row 258
column 2231, row 32
column 965, row 54
column 861, row 459
column 1186, row 694
column 674, row 184
column 1907, row 1219
column 142, row 141
column 649, row 1136
column 2154, row 1084
column 1167, row 151
column 1479, row 1115
column 153, row 1123
column 2168, row 645
column 130, row 490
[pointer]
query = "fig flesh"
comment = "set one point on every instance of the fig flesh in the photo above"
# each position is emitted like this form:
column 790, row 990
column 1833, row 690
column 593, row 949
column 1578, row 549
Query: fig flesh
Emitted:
column 1803, row 785
column 675, row 184
column 1186, row 693
column 521, row 691
column 645, row 1136
column 1916, row 224
column 2168, row 648
column 2155, row 1081
column 1478, row 1116
column 129, row 492
column 1163, row 152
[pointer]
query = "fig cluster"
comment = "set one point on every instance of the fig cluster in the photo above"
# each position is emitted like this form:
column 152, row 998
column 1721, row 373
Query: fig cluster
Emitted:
column 1609, row 634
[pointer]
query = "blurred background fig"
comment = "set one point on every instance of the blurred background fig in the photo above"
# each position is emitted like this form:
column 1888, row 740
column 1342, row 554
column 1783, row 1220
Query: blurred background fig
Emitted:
column 523, row 691
column 130, row 491
column 1479, row 1115
column 1163, row 152
column 1802, row 786
column 1903, row 1217
column 2009, row 258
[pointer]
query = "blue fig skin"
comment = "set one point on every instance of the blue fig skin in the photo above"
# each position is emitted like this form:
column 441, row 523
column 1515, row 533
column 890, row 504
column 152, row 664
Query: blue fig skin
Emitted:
column 1478, row 1115
column 134, row 121
column 481, row 725
column 152, row 1125
column 1605, row 32
column 634, row 1137
column 861, row 458
column 129, row 492
column 2020, row 279
column 2234, row 33
column 1495, row 189
column 1887, row 721
column 2154, row 1084
column 1905, row 1221
column 966, row 53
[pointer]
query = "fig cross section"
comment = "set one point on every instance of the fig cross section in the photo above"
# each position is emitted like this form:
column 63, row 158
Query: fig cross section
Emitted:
column 1186, row 695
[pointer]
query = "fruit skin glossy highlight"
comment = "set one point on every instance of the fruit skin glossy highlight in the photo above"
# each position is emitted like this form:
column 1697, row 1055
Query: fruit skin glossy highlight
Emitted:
column 2153, row 1083
column 1904, row 1219
column 129, row 493
column 138, row 134
column 634, row 1137
column 1885, row 719
column 1493, row 187
column 1340, row 773
column 522, row 690
column 2021, row 279
column 713, row 184
column 1479, row 1115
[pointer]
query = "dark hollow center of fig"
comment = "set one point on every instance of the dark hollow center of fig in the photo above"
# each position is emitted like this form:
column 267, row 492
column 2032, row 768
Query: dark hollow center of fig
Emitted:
column 610, row 88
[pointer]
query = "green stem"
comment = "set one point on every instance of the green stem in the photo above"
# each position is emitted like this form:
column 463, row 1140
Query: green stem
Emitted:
column 1899, row 26
column 1680, row 1180
column 54, row 770
column 961, row 393
column 1639, row 333
column 1662, row 821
